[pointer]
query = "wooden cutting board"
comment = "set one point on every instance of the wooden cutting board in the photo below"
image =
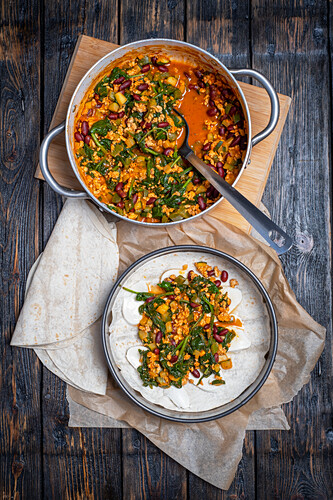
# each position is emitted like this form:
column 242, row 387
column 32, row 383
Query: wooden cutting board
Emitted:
column 253, row 180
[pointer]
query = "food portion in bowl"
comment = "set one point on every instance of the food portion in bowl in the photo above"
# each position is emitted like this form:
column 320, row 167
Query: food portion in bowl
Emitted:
column 127, row 137
column 193, row 339
column 187, row 328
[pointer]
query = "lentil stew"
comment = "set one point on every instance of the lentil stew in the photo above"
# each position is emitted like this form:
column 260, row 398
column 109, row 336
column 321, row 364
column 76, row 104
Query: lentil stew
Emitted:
column 186, row 328
column 127, row 138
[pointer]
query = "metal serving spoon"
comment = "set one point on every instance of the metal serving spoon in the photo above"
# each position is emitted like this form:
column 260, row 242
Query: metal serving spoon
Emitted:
column 262, row 224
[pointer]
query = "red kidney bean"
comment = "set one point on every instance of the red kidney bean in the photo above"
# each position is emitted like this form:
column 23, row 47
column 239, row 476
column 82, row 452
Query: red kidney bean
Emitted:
column 225, row 92
column 232, row 111
column 168, row 151
column 224, row 276
column 215, row 193
column 211, row 166
column 206, row 327
column 142, row 86
column 78, row 137
column 211, row 102
column 224, row 117
column 198, row 73
column 171, row 297
column 135, row 198
column 212, row 92
column 219, row 164
column 122, row 193
column 206, row 147
column 156, row 351
column 201, row 84
column 136, row 97
column 214, row 328
column 221, row 172
column 150, row 299
column 229, row 134
column 145, row 68
column 193, row 86
column 163, row 124
column 121, row 114
column 196, row 373
column 98, row 105
column 224, row 332
column 163, row 68
column 242, row 143
column 151, row 201
column 187, row 75
column 174, row 359
column 119, row 80
column 222, row 130
column 218, row 338
column 119, row 186
column 158, row 337
column 154, row 60
column 173, row 342
column 113, row 116
column 85, row 128
column 211, row 273
column 120, row 204
column 217, row 282
column 194, row 304
column 195, row 181
column 201, row 202
column 90, row 112
column 235, row 141
column 216, row 357
column 125, row 85
column 212, row 111
column 209, row 192
column 148, row 126
column 231, row 127
column 87, row 139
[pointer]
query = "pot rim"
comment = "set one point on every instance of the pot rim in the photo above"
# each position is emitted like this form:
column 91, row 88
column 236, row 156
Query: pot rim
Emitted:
column 257, row 384
column 138, row 44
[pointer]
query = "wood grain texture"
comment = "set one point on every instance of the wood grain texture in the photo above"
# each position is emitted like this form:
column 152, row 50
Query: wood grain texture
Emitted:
column 20, row 375
column 252, row 181
column 148, row 472
column 77, row 463
column 292, row 51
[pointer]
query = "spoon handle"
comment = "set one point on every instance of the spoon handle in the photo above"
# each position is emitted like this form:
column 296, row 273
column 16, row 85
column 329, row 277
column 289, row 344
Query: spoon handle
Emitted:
column 262, row 224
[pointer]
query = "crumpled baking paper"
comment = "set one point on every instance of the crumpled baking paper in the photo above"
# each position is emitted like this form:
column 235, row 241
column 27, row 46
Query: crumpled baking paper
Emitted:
column 212, row 450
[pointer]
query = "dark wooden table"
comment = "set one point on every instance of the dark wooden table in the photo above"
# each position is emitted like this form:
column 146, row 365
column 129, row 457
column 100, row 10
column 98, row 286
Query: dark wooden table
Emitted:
column 289, row 41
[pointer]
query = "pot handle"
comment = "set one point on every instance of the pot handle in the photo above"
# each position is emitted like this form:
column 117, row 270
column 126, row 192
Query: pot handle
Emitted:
column 69, row 193
column 275, row 105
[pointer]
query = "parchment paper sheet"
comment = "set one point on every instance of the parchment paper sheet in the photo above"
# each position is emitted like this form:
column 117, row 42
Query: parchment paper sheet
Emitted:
column 213, row 450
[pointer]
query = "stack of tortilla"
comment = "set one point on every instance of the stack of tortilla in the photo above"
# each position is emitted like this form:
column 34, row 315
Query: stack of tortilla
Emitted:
column 69, row 285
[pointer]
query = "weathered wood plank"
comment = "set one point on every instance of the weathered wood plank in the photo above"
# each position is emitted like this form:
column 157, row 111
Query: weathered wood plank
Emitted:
column 149, row 473
column 78, row 463
column 20, row 422
column 223, row 28
column 151, row 19
column 292, row 52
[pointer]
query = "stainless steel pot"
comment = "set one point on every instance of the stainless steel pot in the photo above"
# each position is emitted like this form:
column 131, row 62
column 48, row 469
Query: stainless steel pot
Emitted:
column 179, row 416
column 174, row 49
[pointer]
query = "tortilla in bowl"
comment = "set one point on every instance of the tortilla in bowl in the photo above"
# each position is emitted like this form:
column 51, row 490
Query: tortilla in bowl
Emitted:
column 219, row 348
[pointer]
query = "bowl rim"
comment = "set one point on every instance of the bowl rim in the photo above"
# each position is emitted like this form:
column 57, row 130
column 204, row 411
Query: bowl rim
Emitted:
column 271, row 351
column 128, row 47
